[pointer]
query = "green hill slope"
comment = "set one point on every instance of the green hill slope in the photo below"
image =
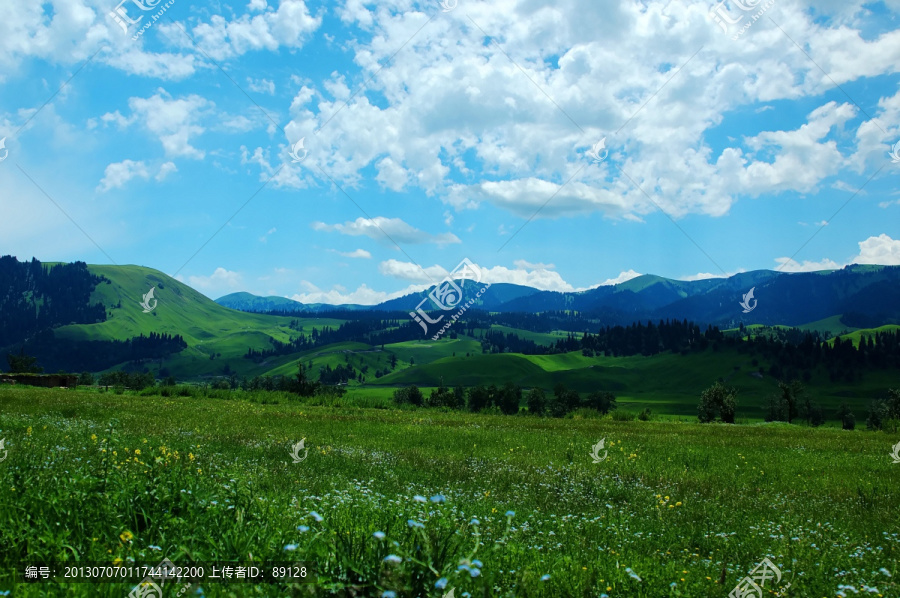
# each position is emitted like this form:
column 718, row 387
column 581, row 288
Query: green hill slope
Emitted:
column 209, row 329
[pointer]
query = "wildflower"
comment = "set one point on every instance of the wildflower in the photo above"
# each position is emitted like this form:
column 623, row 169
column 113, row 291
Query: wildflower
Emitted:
column 545, row 577
column 474, row 522
column 126, row 536
column 302, row 529
column 441, row 583
column 379, row 535
column 154, row 548
column 419, row 498
column 316, row 516
column 632, row 574
column 389, row 594
column 413, row 523
column 392, row 558
column 94, row 437
column 477, row 563
column 510, row 513
column 437, row 498
column 678, row 504
column 291, row 547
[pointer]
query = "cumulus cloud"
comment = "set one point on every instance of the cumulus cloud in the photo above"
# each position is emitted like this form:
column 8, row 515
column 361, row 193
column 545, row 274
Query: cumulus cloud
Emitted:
column 261, row 85
column 543, row 279
column 881, row 250
column 165, row 170
column 412, row 272
column 380, row 228
column 363, row 295
column 119, row 173
column 220, row 282
column 290, row 25
column 176, row 122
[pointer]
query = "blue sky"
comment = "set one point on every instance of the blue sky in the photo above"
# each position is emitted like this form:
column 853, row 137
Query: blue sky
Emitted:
column 435, row 135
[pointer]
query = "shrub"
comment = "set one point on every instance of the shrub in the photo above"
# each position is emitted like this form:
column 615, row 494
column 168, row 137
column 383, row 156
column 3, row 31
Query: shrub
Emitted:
column 644, row 415
column 720, row 400
column 477, row 398
column 602, row 401
column 536, row 401
column 563, row 401
column 409, row 395
column 441, row 397
column 848, row 420
column 878, row 412
column 508, row 398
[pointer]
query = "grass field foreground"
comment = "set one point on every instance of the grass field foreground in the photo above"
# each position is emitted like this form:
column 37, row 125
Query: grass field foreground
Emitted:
column 413, row 503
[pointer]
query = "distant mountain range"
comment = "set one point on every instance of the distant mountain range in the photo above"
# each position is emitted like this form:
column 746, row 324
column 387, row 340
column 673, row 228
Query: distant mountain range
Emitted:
column 860, row 295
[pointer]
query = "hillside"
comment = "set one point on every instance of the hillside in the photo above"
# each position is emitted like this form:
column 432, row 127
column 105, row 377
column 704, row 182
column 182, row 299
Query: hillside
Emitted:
column 216, row 336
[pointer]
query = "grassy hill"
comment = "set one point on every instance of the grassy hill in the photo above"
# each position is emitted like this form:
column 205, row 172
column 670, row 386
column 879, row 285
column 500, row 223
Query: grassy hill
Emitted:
column 208, row 328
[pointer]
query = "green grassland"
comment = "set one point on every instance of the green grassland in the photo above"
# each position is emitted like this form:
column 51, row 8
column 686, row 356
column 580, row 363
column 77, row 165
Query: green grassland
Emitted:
column 520, row 508
column 668, row 384
column 859, row 334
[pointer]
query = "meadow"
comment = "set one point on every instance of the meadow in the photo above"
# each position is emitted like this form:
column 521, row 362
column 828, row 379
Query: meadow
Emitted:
column 415, row 502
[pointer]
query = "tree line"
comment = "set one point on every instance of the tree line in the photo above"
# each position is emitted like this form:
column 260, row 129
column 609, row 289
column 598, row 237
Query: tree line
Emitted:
column 507, row 399
column 792, row 403
column 36, row 297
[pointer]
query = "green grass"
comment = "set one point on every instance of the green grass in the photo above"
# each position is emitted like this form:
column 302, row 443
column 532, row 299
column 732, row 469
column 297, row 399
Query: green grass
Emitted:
column 832, row 325
column 859, row 334
column 676, row 504
column 666, row 383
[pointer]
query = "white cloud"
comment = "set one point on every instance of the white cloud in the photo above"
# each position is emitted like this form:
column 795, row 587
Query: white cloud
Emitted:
column 377, row 228
column 702, row 276
column 543, row 279
column 363, row 295
column 788, row 265
column 356, row 254
column 165, row 170
column 119, row 173
column 174, row 121
column 219, row 283
column 460, row 106
column 261, row 85
column 879, row 250
column 289, row 26
column 523, row 265
column 412, row 272
column 622, row 277
column 265, row 237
